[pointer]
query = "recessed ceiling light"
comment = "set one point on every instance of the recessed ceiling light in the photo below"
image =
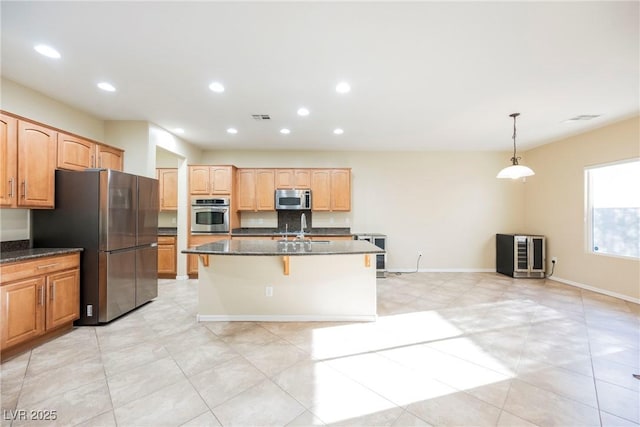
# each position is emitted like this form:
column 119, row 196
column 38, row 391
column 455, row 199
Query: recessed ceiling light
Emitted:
column 303, row 111
column 106, row 86
column 232, row 131
column 285, row 131
column 179, row 130
column 217, row 87
column 343, row 87
column 47, row 51
column 338, row 131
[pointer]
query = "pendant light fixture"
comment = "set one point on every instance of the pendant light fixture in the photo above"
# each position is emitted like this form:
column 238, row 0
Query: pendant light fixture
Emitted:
column 515, row 171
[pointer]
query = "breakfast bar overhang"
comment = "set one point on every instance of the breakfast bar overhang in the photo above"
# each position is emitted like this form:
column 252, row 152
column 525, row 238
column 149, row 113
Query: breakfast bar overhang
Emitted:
column 269, row 280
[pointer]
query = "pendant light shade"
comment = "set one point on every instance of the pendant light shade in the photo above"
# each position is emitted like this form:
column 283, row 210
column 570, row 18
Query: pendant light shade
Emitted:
column 515, row 171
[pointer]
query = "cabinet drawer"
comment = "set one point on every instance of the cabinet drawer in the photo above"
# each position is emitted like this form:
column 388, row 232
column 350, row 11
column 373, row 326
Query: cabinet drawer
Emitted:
column 22, row 269
column 166, row 240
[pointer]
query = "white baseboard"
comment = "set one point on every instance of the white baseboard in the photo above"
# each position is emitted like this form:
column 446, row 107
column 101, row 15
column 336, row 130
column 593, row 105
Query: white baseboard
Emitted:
column 492, row 270
column 594, row 289
column 443, row 270
column 283, row 318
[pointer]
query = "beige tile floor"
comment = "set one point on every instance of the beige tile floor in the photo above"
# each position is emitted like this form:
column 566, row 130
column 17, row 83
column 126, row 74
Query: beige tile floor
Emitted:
column 448, row 349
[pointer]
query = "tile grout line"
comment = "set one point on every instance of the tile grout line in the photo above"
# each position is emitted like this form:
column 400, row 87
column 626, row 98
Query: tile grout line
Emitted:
column 106, row 381
column 593, row 371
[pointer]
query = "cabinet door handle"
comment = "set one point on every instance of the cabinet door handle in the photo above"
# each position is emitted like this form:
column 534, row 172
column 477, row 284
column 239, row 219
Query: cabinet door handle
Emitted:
column 24, row 189
column 47, row 266
column 93, row 161
column 11, row 180
column 40, row 295
column 52, row 291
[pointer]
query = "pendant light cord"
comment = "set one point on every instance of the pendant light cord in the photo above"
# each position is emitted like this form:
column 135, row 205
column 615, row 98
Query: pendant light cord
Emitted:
column 514, row 159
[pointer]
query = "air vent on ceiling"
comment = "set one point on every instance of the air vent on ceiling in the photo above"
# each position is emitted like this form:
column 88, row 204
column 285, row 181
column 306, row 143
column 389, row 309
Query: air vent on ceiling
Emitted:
column 261, row 117
column 583, row 117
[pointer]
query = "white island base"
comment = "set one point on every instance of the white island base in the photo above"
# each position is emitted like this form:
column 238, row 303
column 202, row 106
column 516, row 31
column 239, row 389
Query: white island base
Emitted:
column 287, row 288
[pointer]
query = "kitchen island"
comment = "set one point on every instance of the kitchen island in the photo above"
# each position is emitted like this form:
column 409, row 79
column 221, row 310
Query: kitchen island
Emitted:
column 270, row 280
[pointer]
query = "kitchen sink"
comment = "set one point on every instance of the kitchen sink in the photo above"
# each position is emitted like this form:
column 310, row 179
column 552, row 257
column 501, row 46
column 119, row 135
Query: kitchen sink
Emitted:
column 305, row 241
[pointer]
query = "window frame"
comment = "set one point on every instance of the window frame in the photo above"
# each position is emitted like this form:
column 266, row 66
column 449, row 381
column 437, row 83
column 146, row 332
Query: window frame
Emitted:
column 588, row 208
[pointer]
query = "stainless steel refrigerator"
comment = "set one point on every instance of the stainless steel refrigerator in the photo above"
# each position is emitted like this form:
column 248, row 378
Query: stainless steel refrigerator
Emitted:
column 114, row 217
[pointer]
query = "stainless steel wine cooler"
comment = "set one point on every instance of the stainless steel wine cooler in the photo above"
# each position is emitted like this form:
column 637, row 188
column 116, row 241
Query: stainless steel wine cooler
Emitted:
column 520, row 255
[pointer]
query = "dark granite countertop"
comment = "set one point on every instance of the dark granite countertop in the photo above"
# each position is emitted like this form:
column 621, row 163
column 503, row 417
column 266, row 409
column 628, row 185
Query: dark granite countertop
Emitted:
column 27, row 254
column 167, row 231
column 275, row 247
column 316, row 231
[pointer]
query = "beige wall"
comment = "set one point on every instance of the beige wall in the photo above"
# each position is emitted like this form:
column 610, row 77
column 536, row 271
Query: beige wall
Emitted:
column 133, row 137
column 449, row 205
column 25, row 102
column 555, row 206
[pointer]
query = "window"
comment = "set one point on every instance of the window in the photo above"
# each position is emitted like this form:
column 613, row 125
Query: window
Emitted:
column 613, row 208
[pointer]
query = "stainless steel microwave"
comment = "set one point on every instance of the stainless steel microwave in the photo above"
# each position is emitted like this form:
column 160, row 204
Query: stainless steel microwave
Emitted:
column 293, row 199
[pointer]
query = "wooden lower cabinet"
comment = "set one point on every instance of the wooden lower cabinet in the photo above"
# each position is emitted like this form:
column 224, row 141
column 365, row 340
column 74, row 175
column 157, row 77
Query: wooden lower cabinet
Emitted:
column 63, row 298
column 347, row 237
column 192, row 260
column 22, row 311
column 167, row 257
column 38, row 299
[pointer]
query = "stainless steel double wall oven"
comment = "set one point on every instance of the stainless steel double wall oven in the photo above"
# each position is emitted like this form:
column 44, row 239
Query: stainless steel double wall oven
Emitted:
column 210, row 215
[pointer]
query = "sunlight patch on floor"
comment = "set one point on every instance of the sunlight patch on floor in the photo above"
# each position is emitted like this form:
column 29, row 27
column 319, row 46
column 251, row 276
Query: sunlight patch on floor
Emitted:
column 393, row 358
column 387, row 332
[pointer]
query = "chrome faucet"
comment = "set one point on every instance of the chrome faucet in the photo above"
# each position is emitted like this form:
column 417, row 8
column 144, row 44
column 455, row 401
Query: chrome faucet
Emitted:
column 303, row 225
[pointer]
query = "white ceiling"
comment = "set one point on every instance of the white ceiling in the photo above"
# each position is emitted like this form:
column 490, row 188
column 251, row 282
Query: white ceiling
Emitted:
column 424, row 75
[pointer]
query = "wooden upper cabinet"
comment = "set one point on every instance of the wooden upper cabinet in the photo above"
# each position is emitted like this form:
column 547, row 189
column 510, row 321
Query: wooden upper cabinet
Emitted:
column 75, row 153
column 331, row 189
column 209, row 180
column 30, row 154
column 221, row 179
column 109, row 157
column 320, row 190
column 199, row 180
column 36, row 165
column 265, row 190
column 8, row 160
column 168, row 188
column 293, row 178
column 255, row 189
column 246, row 189
column 341, row 190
